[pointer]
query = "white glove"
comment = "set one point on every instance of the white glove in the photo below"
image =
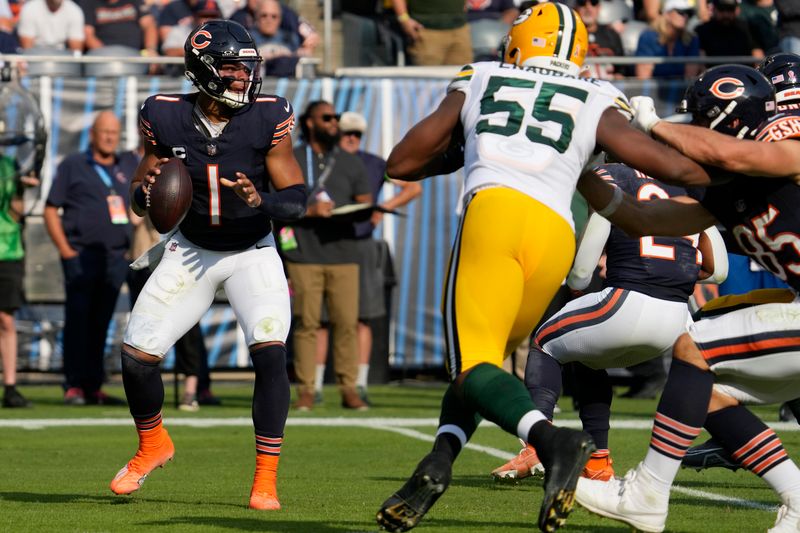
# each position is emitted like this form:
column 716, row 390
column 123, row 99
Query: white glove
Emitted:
column 644, row 113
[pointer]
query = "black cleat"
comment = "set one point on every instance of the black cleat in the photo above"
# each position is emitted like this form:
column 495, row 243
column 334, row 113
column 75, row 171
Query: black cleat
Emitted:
column 406, row 507
column 12, row 398
column 710, row 454
column 563, row 456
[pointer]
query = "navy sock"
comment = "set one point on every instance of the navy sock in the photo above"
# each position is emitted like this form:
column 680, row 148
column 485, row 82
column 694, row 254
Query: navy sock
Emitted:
column 271, row 392
column 747, row 438
column 682, row 409
column 593, row 393
column 144, row 388
column 543, row 379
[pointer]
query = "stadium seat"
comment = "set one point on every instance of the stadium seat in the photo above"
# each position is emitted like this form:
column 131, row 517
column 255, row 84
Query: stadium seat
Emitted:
column 114, row 68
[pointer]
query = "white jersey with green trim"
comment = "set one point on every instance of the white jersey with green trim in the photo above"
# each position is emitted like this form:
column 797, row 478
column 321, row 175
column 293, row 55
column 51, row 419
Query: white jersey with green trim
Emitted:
column 530, row 129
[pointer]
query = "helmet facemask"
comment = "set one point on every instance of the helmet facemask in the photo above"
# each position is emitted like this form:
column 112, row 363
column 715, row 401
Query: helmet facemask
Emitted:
column 218, row 86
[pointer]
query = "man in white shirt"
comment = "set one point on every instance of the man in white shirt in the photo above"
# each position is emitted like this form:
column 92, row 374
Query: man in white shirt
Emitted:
column 54, row 24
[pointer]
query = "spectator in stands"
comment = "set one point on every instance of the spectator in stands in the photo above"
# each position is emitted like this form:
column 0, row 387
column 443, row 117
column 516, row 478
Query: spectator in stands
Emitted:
column 279, row 48
column 54, row 24
column 122, row 23
column 92, row 237
column 726, row 34
column 789, row 25
column 203, row 11
column 371, row 304
column 320, row 254
column 603, row 40
column 7, row 19
column 762, row 17
column 488, row 24
column 291, row 22
column 505, row 10
column 436, row 31
column 175, row 13
column 669, row 38
column 9, row 44
column 650, row 10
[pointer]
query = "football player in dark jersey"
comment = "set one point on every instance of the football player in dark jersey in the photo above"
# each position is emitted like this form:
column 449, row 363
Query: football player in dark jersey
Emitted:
column 236, row 146
column 749, row 355
column 637, row 316
column 783, row 70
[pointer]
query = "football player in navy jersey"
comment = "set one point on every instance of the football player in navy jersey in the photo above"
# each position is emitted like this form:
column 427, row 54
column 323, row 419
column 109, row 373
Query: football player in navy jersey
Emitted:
column 783, row 70
column 637, row 316
column 745, row 356
column 236, row 146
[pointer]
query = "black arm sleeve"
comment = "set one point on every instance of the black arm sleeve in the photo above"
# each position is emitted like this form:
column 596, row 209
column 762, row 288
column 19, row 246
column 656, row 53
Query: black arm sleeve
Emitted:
column 285, row 204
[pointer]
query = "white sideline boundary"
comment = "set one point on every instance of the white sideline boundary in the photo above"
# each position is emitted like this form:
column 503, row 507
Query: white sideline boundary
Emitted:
column 402, row 426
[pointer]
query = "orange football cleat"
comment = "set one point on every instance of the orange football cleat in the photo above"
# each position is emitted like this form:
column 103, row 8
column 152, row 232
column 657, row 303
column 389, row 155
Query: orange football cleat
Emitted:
column 148, row 457
column 264, row 501
column 599, row 467
column 525, row 464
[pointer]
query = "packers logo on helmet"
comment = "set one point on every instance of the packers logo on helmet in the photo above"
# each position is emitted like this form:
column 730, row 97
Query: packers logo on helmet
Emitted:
column 548, row 35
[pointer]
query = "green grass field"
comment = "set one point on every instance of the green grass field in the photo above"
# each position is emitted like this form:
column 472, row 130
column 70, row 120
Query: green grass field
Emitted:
column 336, row 469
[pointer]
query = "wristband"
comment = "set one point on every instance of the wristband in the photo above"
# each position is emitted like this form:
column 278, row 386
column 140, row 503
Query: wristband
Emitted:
column 613, row 205
column 404, row 17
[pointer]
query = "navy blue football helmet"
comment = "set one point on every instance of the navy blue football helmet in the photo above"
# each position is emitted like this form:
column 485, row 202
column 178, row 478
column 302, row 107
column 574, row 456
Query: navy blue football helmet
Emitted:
column 730, row 99
column 783, row 70
column 213, row 44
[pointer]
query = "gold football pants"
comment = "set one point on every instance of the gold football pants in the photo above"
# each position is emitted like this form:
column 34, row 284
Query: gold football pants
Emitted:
column 510, row 257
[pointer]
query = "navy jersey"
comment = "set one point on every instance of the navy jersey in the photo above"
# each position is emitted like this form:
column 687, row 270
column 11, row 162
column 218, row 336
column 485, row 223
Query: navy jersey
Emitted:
column 762, row 214
column 661, row 267
column 217, row 218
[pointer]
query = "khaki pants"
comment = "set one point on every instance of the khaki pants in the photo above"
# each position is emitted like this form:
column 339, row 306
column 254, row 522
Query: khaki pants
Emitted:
column 339, row 285
column 442, row 47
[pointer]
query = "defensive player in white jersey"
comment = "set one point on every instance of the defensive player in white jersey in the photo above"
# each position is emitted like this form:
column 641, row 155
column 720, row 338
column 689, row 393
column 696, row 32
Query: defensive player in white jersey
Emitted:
column 530, row 126
column 744, row 356
column 637, row 316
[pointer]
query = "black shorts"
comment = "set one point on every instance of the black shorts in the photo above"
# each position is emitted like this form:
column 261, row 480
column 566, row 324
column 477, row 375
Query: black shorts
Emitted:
column 11, row 275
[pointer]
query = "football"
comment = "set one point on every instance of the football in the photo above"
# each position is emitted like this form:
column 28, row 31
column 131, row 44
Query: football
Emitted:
column 170, row 196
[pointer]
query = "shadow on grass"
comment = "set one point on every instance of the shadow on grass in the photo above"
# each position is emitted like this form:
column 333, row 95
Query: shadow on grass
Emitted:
column 265, row 523
column 49, row 498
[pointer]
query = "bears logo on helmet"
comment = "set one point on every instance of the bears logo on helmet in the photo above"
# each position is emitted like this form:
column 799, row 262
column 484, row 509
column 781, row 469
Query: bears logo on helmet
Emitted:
column 727, row 88
column 200, row 44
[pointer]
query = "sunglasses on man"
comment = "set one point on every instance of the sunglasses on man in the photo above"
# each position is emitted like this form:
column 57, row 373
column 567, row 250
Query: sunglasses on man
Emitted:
column 327, row 117
column 581, row 3
column 356, row 134
column 685, row 12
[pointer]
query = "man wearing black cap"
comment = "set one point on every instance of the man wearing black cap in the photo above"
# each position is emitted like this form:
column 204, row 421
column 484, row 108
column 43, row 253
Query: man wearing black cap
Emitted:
column 726, row 34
